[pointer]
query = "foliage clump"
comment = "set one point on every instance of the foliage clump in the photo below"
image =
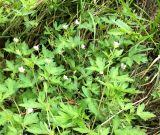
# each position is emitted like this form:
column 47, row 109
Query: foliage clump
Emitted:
column 78, row 67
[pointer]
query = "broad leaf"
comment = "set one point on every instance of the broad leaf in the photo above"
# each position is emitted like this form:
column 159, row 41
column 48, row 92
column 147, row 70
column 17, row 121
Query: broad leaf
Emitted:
column 143, row 114
column 30, row 119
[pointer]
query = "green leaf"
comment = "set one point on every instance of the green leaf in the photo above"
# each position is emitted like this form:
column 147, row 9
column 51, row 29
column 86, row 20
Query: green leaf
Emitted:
column 12, row 130
column 100, row 62
column 54, row 70
column 128, row 61
column 136, row 55
column 114, row 75
column 103, row 131
column 86, row 91
column 82, row 130
column 30, row 119
column 130, row 90
column 17, row 118
column 117, row 53
column 128, row 106
column 116, row 123
column 38, row 128
column 47, row 53
column 5, row 116
column 32, row 104
column 129, row 131
column 28, row 62
column 92, row 105
column 25, row 81
column 142, row 114
column 65, row 133
column 3, row 18
column 123, row 25
column 116, row 32
column 24, row 49
column 10, row 66
column 9, row 47
column 98, row 65
column 11, row 88
column 87, row 26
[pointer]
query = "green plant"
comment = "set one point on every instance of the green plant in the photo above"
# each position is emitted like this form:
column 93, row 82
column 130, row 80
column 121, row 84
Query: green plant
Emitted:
column 68, row 70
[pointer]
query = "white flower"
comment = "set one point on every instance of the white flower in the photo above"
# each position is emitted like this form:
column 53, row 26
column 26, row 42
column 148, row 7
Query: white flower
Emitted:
column 21, row 69
column 76, row 22
column 123, row 66
column 36, row 47
column 101, row 72
column 83, row 46
column 65, row 77
column 65, row 26
column 16, row 40
column 48, row 61
column 29, row 110
column 116, row 44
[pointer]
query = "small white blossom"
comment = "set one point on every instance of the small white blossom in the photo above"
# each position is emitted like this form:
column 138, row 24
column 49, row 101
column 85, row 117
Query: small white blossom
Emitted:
column 101, row 72
column 36, row 47
column 21, row 69
column 65, row 77
column 65, row 26
column 76, row 22
column 29, row 110
column 83, row 46
column 16, row 40
column 123, row 66
column 48, row 61
column 116, row 44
